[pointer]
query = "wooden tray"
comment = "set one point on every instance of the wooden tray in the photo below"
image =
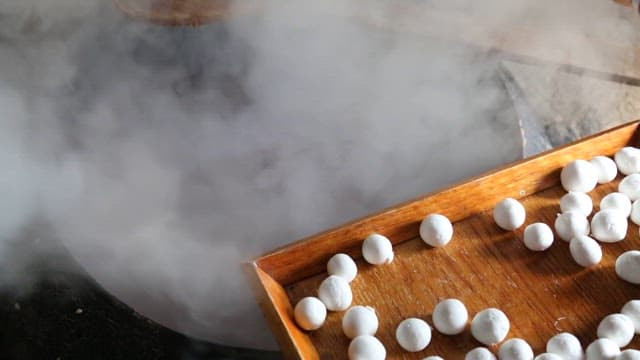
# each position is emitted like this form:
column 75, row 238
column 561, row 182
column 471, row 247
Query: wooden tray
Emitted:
column 541, row 293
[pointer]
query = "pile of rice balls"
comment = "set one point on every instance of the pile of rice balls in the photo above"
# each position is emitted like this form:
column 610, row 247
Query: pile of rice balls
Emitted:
column 491, row 326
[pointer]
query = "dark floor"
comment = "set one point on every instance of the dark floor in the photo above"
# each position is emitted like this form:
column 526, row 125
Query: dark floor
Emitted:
column 63, row 314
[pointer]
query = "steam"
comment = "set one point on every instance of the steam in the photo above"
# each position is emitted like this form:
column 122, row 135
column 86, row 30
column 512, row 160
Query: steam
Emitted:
column 164, row 157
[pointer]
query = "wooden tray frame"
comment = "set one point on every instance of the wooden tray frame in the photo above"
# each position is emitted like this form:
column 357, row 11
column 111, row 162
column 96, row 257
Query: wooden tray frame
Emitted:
column 271, row 273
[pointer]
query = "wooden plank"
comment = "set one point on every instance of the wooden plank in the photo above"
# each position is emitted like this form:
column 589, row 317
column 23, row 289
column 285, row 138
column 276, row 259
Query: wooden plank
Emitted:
column 400, row 223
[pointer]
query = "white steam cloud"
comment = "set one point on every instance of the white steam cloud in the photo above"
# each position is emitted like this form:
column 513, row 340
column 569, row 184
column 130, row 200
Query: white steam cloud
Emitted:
column 163, row 157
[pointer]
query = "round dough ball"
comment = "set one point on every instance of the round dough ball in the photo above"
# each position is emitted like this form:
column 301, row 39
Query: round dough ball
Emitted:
column 628, row 160
column 377, row 250
column 629, row 354
column 509, row 214
column 335, row 293
column 480, row 353
column 310, row 313
column 617, row 328
column 450, row 317
column 342, row 265
column 548, row 356
column 602, row 349
column 515, row 349
column 609, row 226
column 566, row 345
column 570, row 225
column 635, row 212
column 576, row 202
column 433, row 357
column 605, row 167
column 632, row 310
column 436, row 230
column 616, row 201
column 413, row 334
column 366, row 347
column 585, row 251
column 360, row 320
column 630, row 186
column 628, row 266
column 490, row 326
column 538, row 237
column 579, row 175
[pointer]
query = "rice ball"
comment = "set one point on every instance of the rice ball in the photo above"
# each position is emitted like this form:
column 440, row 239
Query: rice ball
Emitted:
column 335, row 293
column 602, row 349
column 628, row 160
column 617, row 328
column 616, row 201
column 629, row 354
column 605, row 167
column 360, row 320
column 548, row 356
column 509, row 214
column 310, row 313
column 377, row 250
column 413, row 334
column 570, row 225
column 577, row 202
column 628, row 266
column 632, row 310
column 366, row 347
column 490, row 326
column 579, row 176
column 630, row 186
column 436, row 230
column 609, row 226
column 566, row 345
column 515, row 349
column 635, row 212
column 342, row 265
column 480, row 353
column 585, row 251
column 538, row 237
column 450, row 317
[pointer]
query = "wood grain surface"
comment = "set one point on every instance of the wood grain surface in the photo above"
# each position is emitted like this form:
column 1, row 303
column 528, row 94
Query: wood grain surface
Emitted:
column 542, row 293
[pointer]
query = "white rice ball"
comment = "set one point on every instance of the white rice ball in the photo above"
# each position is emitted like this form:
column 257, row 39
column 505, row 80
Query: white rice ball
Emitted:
column 570, row 225
column 366, row 347
column 617, row 328
column 585, row 251
column 630, row 186
column 538, row 237
column 310, row 313
column 635, row 212
column 605, row 167
column 548, row 356
column 609, row 226
column 628, row 160
column 616, row 201
column 632, row 310
column 576, row 201
column 602, row 349
column 629, row 354
column 628, row 266
column 509, row 214
column 377, row 250
column 490, row 326
column 335, row 293
column 436, row 230
column 342, row 265
column 579, row 175
column 515, row 349
column 450, row 317
column 360, row 320
column 566, row 345
column 433, row 357
column 480, row 353
column 413, row 334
